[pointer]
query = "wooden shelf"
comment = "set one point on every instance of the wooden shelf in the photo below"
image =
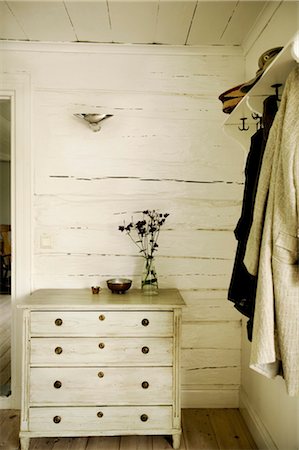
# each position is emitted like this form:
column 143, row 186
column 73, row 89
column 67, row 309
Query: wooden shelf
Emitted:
column 252, row 102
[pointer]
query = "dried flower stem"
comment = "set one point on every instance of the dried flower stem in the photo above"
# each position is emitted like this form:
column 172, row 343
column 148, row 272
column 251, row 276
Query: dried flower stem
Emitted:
column 147, row 231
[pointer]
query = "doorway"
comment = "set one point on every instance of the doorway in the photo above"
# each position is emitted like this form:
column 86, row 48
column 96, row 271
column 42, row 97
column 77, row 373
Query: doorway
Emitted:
column 5, row 247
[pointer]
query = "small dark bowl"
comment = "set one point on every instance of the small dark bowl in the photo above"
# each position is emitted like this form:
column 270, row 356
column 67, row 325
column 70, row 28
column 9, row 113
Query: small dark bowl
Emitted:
column 119, row 285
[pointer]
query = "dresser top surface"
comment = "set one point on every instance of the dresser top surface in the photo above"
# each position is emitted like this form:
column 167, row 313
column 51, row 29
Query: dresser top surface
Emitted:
column 83, row 298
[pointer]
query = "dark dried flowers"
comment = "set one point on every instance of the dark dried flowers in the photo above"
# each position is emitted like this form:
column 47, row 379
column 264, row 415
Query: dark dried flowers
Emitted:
column 144, row 233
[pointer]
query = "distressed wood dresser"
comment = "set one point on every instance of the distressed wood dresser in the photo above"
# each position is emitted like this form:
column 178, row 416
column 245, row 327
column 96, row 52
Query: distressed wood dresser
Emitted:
column 103, row 364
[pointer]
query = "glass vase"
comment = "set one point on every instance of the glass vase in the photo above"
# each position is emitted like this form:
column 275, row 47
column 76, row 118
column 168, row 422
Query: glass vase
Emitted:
column 149, row 280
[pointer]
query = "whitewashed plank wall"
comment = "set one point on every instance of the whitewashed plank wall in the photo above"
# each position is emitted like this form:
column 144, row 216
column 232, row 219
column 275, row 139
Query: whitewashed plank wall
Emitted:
column 163, row 149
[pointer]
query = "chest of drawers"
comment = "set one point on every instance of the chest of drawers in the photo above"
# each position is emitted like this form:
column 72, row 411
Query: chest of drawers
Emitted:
column 102, row 364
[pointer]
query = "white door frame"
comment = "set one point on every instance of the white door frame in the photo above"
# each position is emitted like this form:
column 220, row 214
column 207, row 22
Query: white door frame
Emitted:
column 16, row 87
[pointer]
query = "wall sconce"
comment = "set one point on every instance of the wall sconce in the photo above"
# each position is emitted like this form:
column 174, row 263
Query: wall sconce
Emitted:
column 94, row 120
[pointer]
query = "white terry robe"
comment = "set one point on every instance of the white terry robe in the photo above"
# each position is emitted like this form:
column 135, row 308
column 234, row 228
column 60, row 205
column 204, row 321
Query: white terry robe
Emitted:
column 272, row 250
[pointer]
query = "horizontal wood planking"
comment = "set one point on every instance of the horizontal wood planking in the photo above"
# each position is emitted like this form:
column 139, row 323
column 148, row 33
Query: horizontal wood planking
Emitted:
column 208, row 305
column 81, row 212
column 145, row 142
column 85, row 270
column 209, row 358
column 143, row 188
column 220, row 335
column 211, row 376
column 161, row 147
column 205, row 244
column 175, row 70
column 210, row 398
column 120, row 186
column 211, row 353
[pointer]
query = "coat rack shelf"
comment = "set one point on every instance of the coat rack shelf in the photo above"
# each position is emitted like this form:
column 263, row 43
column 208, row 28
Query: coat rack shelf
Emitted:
column 252, row 102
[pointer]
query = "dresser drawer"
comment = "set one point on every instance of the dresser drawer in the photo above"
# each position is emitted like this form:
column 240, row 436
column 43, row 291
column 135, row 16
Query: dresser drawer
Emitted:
column 101, row 323
column 102, row 418
column 101, row 385
column 93, row 351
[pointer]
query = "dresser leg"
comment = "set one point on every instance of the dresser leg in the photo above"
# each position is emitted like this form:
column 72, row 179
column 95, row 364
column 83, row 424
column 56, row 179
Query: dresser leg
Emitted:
column 176, row 441
column 25, row 442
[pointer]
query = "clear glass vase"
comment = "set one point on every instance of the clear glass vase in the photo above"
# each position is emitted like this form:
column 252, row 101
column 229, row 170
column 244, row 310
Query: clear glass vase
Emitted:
column 149, row 280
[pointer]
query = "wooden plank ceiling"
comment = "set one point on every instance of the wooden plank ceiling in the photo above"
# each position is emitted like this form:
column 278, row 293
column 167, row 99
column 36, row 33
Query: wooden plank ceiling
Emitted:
column 176, row 22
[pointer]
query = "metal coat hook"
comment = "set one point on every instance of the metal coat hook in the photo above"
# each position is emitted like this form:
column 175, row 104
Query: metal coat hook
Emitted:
column 276, row 86
column 258, row 118
column 243, row 124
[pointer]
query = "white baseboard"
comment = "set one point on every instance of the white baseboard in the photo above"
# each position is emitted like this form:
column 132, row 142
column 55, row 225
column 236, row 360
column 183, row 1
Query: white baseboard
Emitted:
column 210, row 398
column 258, row 430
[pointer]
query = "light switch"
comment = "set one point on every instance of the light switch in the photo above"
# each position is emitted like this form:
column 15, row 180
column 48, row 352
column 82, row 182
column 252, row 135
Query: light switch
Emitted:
column 46, row 241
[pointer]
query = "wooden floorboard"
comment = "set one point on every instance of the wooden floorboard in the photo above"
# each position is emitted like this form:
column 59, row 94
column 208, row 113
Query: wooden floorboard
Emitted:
column 198, row 430
column 222, row 429
column 5, row 358
column 229, row 430
column 9, row 429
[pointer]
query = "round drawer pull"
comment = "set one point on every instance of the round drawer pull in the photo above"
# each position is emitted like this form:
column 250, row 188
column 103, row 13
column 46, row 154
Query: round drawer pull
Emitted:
column 100, row 414
column 144, row 417
column 101, row 374
column 56, row 419
column 101, row 345
column 58, row 350
column 145, row 384
column 101, row 317
column 58, row 322
column 145, row 322
column 145, row 350
column 57, row 384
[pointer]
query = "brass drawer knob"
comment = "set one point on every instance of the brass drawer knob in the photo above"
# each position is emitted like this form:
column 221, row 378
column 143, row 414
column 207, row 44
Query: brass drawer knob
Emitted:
column 101, row 345
column 57, row 384
column 58, row 322
column 100, row 414
column 101, row 374
column 145, row 350
column 101, row 317
column 144, row 417
column 145, row 384
column 56, row 419
column 58, row 350
column 145, row 322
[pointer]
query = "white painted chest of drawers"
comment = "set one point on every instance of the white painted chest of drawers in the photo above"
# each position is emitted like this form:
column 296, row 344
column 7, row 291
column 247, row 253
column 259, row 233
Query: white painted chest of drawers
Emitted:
column 102, row 364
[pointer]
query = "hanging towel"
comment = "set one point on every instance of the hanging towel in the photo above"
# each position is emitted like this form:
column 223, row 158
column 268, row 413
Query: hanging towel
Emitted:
column 272, row 247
